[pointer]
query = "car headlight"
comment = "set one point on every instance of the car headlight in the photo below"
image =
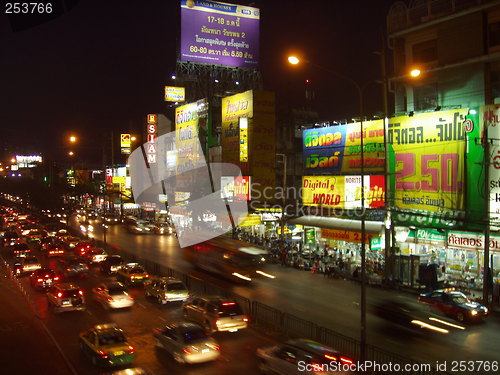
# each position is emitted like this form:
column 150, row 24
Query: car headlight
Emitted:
column 473, row 312
column 486, row 310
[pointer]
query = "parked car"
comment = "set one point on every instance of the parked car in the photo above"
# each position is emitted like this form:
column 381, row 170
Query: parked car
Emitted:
column 113, row 295
column 65, row 297
column 300, row 356
column 215, row 314
column 166, row 289
column 186, row 342
column 106, row 346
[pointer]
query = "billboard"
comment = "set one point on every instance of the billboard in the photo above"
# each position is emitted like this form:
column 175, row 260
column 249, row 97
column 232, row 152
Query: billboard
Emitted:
column 342, row 191
column 490, row 120
column 427, row 170
column 175, row 94
column 219, row 33
column 337, row 149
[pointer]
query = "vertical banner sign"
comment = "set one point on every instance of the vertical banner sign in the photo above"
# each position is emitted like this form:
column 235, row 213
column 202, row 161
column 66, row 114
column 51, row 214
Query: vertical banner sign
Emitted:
column 429, row 150
column 219, row 33
column 151, row 131
column 125, row 143
column 490, row 120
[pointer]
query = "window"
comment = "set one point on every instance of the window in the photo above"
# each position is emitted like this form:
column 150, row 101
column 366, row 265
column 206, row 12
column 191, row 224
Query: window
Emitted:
column 425, row 52
column 494, row 34
column 425, row 97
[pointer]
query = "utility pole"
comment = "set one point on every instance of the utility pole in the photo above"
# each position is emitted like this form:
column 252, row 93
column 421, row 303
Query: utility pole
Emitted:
column 486, row 272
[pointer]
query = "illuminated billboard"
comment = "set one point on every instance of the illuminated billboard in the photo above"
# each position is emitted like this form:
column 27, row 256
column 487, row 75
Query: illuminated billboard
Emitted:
column 337, row 149
column 219, row 33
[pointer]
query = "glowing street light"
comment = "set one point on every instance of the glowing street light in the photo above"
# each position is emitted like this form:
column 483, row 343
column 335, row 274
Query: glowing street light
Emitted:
column 71, row 153
column 294, row 60
column 72, row 139
column 415, row 73
column 13, row 160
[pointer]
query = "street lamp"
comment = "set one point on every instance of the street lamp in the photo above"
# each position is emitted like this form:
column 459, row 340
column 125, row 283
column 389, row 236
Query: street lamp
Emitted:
column 359, row 89
column 72, row 139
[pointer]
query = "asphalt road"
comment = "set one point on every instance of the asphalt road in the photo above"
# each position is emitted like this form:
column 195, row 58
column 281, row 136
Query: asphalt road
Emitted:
column 330, row 303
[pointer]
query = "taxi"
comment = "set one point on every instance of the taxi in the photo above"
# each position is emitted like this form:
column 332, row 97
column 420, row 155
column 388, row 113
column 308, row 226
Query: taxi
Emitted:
column 132, row 273
column 106, row 346
column 455, row 304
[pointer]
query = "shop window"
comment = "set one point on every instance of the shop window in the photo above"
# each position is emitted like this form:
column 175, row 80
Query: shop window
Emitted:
column 425, row 97
column 425, row 52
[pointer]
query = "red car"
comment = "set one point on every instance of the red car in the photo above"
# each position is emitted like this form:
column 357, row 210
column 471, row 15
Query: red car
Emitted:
column 453, row 303
column 55, row 250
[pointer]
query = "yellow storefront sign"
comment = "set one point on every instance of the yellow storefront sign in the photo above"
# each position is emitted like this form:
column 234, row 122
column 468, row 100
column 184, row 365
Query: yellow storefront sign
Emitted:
column 345, row 235
column 250, row 220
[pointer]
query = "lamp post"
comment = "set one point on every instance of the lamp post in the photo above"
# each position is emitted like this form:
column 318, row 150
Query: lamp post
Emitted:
column 283, row 156
column 359, row 89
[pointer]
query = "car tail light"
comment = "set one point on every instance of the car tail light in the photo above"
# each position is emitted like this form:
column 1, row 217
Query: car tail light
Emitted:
column 245, row 319
column 132, row 298
column 103, row 354
column 39, row 280
column 146, row 275
column 109, row 299
column 80, row 292
column 68, row 269
column 327, row 356
column 229, row 303
column 346, row 360
column 130, row 350
column 59, row 294
column 56, row 278
column 186, row 351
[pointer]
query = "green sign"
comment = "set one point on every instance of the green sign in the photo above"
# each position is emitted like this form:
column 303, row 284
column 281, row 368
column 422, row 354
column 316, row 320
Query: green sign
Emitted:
column 310, row 237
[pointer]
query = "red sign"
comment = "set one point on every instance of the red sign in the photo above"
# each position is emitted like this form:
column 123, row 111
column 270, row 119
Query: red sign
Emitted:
column 242, row 187
column 152, row 129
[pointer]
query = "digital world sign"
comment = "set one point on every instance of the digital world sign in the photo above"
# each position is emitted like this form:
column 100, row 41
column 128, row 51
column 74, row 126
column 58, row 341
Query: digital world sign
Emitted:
column 219, row 33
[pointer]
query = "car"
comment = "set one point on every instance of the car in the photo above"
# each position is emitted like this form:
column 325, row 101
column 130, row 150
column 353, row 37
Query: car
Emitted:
column 186, row 343
column 52, row 229
column 455, row 304
column 34, row 235
column 106, row 346
column 10, row 238
column 140, row 227
column 72, row 266
column 65, row 297
column 43, row 278
column 132, row 274
column 70, row 242
column 44, row 242
column 215, row 314
column 166, row 289
column 82, row 247
column 20, row 250
column 163, row 229
column 27, row 264
column 91, row 214
column 111, row 219
column 54, row 249
column 113, row 295
column 112, row 264
column 302, row 356
column 94, row 256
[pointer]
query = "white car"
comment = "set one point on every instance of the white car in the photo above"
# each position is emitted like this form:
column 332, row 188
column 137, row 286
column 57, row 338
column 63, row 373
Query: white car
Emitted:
column 113, row 295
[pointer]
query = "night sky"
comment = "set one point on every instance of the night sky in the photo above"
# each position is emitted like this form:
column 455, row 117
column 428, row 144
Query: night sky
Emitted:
column 103, row 65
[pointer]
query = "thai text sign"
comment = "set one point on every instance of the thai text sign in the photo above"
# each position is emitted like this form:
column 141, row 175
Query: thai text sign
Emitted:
column 345, row 235
column 342, row 191
column 337, row 149
column 429, row 160
column 473, row 241
column 219, row 33
column 175, row 94
column 490, row 119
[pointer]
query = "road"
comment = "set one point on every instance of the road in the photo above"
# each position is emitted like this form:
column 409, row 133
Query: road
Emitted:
column 328, row 302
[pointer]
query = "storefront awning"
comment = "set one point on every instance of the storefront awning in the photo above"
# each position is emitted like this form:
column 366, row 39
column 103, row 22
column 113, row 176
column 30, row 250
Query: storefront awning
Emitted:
column 372, row 227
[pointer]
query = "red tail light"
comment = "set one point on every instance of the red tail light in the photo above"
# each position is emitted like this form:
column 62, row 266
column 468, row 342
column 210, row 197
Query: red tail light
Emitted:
column 103, row 354
column 229, row 303
column 80, row 292
column 245, row 319
column 39, row 280
column 56, row 278
column 109, row 299
column 130, row 350
column 186, row 351
column 146, row 275
column 59, row 294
